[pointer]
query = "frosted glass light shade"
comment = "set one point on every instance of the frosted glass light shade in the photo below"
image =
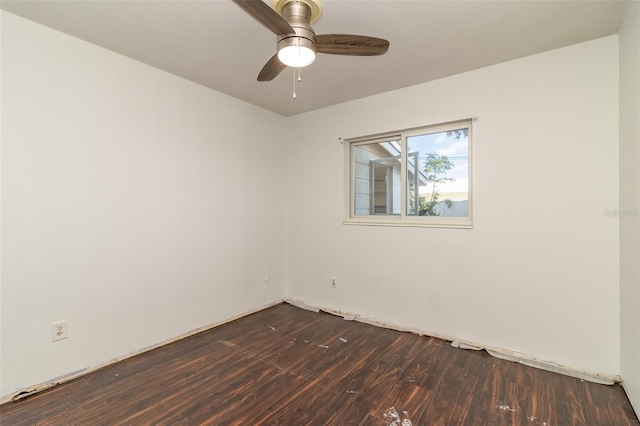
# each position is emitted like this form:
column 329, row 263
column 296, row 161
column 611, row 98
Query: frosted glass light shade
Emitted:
column 296, row 56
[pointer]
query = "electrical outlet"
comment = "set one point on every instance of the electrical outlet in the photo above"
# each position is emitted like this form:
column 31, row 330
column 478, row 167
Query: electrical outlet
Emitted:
column 334, row 282
column 58, row 330
column 266, row 278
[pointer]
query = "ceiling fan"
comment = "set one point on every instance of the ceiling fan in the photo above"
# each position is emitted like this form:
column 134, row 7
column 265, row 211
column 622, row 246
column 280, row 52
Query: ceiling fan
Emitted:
column 297, row 43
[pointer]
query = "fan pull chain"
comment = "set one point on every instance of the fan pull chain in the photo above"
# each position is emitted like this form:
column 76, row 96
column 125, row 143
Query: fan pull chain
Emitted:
column 298, row 79
column 294, row 83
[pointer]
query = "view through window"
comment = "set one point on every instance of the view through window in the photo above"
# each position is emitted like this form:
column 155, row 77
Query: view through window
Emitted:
column 421, row 176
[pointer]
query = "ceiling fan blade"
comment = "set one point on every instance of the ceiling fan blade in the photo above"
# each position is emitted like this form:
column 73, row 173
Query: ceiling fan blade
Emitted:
column 268, row 17
column 271, row 69
column 353, row 45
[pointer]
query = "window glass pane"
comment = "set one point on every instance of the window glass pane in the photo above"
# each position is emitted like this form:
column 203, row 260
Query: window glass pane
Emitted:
column 438, row 174
column 377, row 183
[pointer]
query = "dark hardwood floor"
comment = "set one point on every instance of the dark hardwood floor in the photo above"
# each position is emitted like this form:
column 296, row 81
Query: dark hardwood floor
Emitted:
column 288, row 366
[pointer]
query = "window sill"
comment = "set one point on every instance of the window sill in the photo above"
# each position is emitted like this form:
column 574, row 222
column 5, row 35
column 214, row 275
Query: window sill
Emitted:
column 406, row 222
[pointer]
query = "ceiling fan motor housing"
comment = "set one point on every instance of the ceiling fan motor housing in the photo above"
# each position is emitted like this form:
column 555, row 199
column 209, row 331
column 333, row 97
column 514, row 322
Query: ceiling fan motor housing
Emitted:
column 298, row 15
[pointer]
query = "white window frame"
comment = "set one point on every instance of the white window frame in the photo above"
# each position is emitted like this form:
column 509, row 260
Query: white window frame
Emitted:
column 403, row 219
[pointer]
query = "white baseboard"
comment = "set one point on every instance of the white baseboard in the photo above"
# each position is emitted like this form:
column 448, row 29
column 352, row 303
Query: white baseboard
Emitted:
column 23, row 393
column 502, row 353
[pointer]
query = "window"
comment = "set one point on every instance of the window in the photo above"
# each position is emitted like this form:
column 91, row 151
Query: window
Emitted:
column 413, row 177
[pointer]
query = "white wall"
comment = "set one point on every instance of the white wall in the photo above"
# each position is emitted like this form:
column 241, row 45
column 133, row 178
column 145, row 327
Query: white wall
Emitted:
column 136, row 205
column 134, row 200
column 630, row 203
column 539, row 272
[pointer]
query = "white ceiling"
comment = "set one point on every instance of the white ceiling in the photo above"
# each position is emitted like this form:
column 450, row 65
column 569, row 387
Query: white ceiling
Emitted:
column 215, row 44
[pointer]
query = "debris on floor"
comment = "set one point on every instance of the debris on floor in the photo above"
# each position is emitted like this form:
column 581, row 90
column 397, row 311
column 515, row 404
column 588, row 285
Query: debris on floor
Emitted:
column 535, row 419
column 392, row 418
column 505, row 407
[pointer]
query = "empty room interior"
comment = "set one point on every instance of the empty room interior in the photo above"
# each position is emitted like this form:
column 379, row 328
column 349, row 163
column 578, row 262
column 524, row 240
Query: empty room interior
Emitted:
column 459, row 181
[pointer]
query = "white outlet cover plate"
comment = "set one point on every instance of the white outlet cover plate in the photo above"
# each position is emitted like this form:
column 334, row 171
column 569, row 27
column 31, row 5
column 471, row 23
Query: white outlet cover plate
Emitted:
column 58, row 330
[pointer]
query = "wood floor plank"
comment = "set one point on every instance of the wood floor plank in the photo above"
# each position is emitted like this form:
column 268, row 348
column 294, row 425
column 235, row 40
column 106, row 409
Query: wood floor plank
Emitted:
column 288, row 366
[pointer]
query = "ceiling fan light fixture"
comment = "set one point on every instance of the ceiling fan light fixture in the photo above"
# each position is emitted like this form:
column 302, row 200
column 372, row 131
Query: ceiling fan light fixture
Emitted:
column 296, row 52
column 297, row 42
